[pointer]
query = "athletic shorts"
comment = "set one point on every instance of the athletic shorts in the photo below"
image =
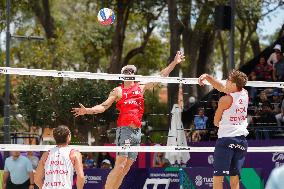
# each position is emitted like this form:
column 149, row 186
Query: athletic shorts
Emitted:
column 127, row 136
column 229, row 155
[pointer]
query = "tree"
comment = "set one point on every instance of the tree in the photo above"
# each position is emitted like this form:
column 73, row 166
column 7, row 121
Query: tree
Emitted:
column 247, row 44
column 194, row 24
column 48, row 103
column 34, row 102
column 123, row 9
column 80, row 45
column 42, row 11
column 175, row 34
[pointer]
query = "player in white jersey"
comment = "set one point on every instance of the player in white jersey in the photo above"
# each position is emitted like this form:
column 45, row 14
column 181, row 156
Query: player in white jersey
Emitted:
column 56, row 167
column 231, row 118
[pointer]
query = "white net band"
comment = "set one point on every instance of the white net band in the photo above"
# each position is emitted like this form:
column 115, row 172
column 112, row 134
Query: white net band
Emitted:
column 19, row 147
column 105, row 76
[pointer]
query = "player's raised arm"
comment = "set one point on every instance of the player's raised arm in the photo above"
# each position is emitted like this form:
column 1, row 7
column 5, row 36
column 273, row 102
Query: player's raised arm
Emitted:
column 214, row 82
column 113, row 95
column 166, row 72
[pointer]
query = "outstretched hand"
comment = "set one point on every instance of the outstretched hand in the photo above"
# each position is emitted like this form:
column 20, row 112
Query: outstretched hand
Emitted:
column 179, row 57
column 79, row 111
column 201, row 79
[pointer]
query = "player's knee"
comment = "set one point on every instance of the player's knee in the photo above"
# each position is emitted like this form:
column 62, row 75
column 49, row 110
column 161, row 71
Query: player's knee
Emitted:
column 234, row 185
column 218, row 179
column 234, row 182
column 120, row 167
column 127, row 167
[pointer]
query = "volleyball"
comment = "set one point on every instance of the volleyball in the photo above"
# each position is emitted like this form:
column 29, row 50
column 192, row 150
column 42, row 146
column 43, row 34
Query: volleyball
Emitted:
column 106, row 16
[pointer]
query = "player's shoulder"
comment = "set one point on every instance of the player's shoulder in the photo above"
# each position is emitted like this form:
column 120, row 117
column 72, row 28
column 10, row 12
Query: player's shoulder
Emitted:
column 75, row 153
column 141, row 85
column 115, row 91
column 226, row 99
column 45, row 155
column 117, row 88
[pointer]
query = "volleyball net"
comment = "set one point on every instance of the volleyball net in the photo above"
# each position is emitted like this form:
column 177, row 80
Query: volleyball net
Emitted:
column 43, row 99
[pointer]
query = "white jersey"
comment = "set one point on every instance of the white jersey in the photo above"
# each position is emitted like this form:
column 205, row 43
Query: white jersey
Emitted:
column 59, row 169
column 234, row 119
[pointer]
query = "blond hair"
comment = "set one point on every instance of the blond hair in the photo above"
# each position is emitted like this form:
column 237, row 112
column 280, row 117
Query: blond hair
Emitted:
column 239, row 78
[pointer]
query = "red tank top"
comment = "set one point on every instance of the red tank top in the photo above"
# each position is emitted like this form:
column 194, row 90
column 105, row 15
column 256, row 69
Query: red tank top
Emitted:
column 130, row 106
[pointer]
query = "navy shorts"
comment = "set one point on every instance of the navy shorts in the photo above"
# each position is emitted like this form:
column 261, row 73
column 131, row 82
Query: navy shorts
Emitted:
column 229, row 155
column 128, row 136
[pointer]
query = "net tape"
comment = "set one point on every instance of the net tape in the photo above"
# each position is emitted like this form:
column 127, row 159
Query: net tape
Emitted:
column 21, row 147
column 105, row 76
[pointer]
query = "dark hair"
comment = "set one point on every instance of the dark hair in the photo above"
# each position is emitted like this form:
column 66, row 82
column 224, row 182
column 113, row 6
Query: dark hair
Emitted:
column 60, row 134
column 267, row 104
column 239, row 78
column 201, row 109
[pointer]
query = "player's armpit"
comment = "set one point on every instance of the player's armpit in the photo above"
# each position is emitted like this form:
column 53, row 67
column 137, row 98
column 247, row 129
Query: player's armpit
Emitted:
column 148, row 86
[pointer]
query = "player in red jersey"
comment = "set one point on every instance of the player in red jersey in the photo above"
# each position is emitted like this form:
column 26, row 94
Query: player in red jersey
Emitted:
column 130, row 103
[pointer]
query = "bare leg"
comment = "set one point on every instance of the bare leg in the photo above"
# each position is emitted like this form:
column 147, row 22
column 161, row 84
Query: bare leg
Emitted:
column 218, row 182
column 234, row 182
column 117, row 174
column 125, row 171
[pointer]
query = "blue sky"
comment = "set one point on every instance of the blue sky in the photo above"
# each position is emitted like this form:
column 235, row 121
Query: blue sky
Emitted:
column 270, row 24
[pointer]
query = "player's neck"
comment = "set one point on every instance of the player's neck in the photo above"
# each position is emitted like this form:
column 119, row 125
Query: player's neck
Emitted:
column 235, row 90
column 128, row 84
column 62, row 145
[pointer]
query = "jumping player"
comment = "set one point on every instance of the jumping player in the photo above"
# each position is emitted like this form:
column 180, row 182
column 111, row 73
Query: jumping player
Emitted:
column 231, row 118
column 130, row 103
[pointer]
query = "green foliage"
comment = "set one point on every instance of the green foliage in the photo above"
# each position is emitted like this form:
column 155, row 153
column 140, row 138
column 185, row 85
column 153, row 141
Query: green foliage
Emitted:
column 34, row 101
column 17, row 6
column 154, row 57
column 152, row 107
column 14, row 126
column 48, row 102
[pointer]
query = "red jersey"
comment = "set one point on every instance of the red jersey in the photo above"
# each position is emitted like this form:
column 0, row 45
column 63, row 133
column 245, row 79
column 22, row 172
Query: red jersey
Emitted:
column 130, row 106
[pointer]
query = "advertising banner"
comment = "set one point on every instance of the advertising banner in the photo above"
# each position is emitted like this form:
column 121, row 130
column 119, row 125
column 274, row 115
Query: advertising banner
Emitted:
column 201, row 178
column 191, row 178
column 265, row 161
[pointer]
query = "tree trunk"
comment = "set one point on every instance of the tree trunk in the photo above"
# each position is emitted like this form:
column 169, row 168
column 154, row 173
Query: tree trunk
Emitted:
column 186, row 36
column 205, row 58
column 242, row 47
column 174, row 47
column 192, row 40
column 123, row 9
column 255, row 46
column 224, row 55
column 140, row 49
column 42, row 12
column 44, row 17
